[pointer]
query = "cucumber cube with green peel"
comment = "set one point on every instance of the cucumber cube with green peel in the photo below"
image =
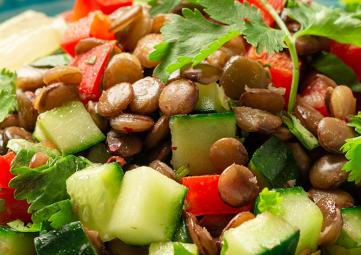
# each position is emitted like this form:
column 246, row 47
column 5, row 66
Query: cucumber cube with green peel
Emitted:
column 148, row 208
column 351, row 230
column 93, row 193
column 170, row 248
column 193, row 135
column 267, row 234
column 16, row 243
column 70, row 128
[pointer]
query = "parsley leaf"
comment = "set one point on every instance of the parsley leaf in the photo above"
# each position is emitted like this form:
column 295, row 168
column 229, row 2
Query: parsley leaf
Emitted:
column 352, row 148
column 43, row 186
column 355, row 122
column 20, row 226
column 334, row 24
column 162, row 6
column 270, row 201
column 333, row 67
column 8, row 101
column 52, row 61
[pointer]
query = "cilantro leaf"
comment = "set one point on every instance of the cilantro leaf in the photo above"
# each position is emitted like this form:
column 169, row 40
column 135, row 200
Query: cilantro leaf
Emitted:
column 352, row 148
column 270, row 201
column 162, row 6
column 52, row 61
column 43, row 186
column 57, row 214
column 8, row 101
column 334, row 24
column 355, row 122
column 307, row 139
column 333, row 67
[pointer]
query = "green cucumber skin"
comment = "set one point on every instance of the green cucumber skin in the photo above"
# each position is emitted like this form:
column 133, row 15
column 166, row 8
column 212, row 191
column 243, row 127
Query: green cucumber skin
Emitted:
column 69, row 240
column 16, row 243
column 351, row 231
column 338, row 250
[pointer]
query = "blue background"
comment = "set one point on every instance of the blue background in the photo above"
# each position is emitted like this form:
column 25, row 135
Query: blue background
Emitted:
column 9, row 8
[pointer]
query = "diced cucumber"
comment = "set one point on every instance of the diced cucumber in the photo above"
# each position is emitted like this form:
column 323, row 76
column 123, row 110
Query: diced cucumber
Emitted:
column 16, row 243
column 299, row 211
column 351, row 230
column 181, row 234
column 93, row 193
column 193, row 135
column 70, row 128
column 148, row 208
column 69, row 240
column 267, row 234
column 339, row 250
column 211, row 98
column 274, row 164
column 169, row 248
column 39, row 134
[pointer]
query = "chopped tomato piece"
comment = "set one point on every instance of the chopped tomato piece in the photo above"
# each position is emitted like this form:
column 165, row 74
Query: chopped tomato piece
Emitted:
column 96, row 25
column 92, row 65
column 280, row 67
column 5, row 175
column 278, row 5
column 350, row 54
column 12, row 209
column 203, row 197
column 108, row 6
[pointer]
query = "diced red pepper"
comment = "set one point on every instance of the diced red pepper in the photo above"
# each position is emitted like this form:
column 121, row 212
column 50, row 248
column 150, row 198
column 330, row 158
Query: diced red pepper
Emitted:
column 12, row 209
column 83, row 7
column 92, row 65
column 280, row 67
column 5, row 175
column 350, row 54
column 96, row 25
column 203, row 197
column 278, row 5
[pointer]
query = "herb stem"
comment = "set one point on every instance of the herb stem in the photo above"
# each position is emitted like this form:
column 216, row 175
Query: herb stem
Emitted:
column 291, row 44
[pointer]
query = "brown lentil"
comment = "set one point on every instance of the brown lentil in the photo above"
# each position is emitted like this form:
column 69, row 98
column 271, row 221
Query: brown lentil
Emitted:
column 131, row 123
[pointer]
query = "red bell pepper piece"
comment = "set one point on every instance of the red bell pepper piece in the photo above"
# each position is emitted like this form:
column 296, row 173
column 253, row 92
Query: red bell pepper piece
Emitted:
column 280, row 67
column 350, row 54
column 12, row 209
column 278, row 5
column 92, row 65
column 83, row 7
column 5, row 175
column 96, row 24
column 203, row 197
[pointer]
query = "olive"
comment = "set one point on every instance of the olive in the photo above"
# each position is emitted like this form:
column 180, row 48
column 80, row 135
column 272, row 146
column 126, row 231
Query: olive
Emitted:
column 308, row 45
column 26, row 112
column 38, row 159
column 123, row 145
column 327, row 172
column 263, row 99
column 163, row 168
column 303, row 161
column 342, row 102
column 115, row 99
column 332, row 134
column 238, row 186
column 240, row 72
column 131, row 123
column 87, row 44
column 178, row 97
column 30, row 78
column 55, row 95
column 220, row 57
column 227, row 151
column 68, row 75
column 342, row 198
column 283, row 134
column 238, row 220
column 254, row 120
column 202, row 73
column 158, row 21
column 144, row 47
column 140, row 27
column 16, row 133
column 123, row 67
column 123, row 17
column 102, row 123
column 10, row 121
column 158, row 133
column 332, row 221
column 200, row 236
column 146, row 95
column 308, row 116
